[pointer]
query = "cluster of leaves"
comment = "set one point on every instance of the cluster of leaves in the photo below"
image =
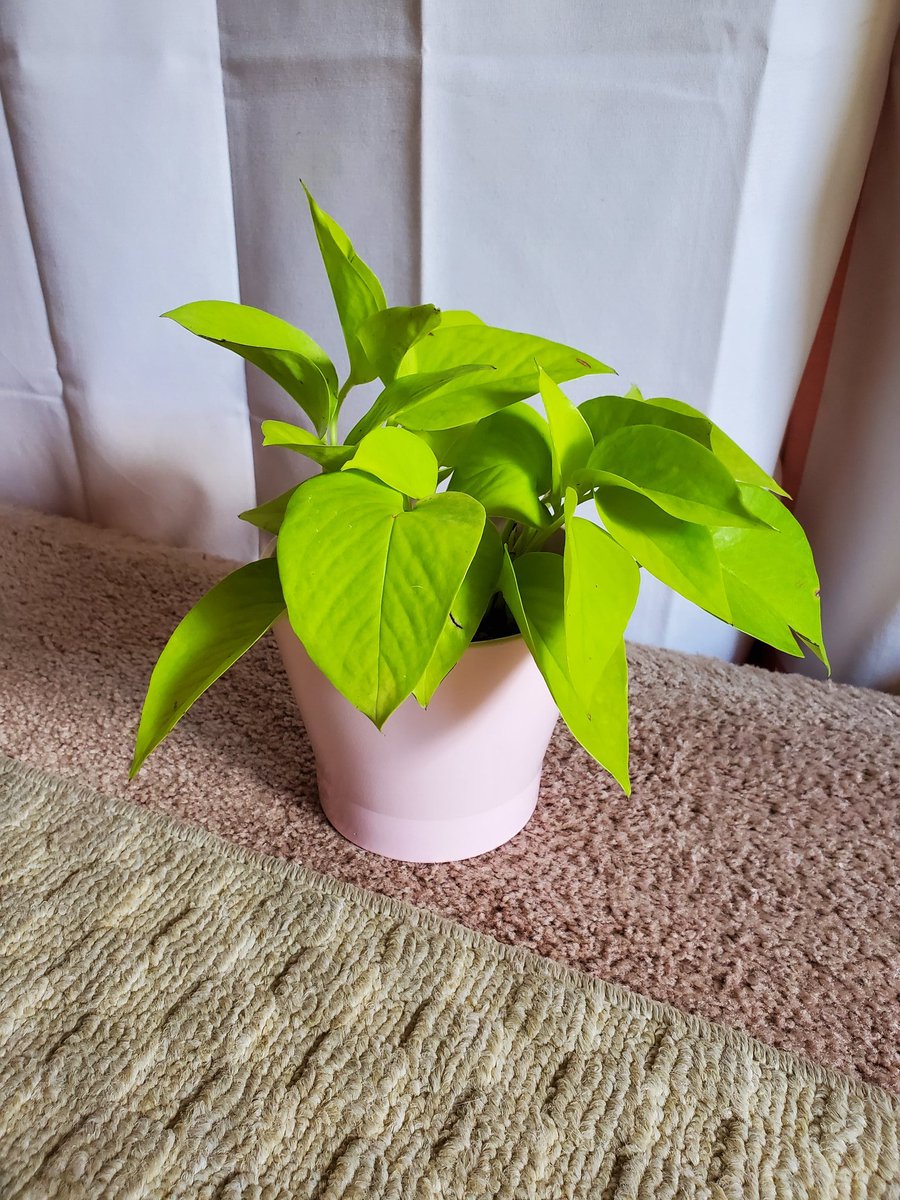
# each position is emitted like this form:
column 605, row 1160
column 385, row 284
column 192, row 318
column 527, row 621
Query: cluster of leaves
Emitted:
column 386, row 579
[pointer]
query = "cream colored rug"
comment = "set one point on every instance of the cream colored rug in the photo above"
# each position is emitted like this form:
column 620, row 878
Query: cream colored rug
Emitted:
column 179, row 1017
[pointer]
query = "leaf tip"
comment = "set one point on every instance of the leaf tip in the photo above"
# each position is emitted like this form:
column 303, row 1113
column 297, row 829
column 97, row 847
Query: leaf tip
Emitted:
column 313, row 207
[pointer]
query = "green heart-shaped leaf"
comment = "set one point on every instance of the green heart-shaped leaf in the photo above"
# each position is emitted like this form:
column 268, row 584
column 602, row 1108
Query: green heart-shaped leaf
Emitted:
column 293, row 437
column 270, row 514
column 514, row 357
column 763, row 580
column 505, row 464
column 570, row 437
column 673, row 471
column 533, row 588
column 399, row 459
column 285, row 353
column 447, row 444
column 679, row 553
column 387, row 335
column 511, row 353
column 355, row 286
column 402, row 394
column 215, row 633
column 606, row 414
column 469, row 606
column 601, row 589
column 729, row 453
column 770, row 577
column 369, row 583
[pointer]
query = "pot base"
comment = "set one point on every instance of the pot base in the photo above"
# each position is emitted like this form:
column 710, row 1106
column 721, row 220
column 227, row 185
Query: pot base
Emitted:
column 431, row 839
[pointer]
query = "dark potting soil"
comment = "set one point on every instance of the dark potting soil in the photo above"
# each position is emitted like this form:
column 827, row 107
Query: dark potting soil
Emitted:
column 497, row 622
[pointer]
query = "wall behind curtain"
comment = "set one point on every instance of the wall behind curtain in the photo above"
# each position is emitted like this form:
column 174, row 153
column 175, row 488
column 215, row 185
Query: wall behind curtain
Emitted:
column 850, row 498
column 668, row 185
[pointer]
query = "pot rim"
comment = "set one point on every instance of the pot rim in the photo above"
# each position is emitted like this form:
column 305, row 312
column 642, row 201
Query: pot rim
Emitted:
column 507, row 637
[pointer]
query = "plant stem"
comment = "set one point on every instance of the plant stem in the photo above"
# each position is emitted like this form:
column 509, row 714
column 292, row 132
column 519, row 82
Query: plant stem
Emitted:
column 537, row 537
column 331, row 435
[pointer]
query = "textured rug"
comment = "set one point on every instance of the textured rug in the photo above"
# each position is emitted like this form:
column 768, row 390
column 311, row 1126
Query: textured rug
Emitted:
column 179, row 1017
column 753, row 877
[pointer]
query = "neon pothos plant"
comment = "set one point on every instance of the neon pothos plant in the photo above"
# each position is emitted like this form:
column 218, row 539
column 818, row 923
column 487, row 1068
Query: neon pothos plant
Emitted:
column 386, row 579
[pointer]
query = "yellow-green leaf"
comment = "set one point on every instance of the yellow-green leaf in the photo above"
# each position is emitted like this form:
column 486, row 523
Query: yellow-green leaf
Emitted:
column 601, row 589
column 679, row 553
column 505, row 464
column 770, row 576
column 356, row 289
column 533, row 588
column 221, row 626
column 514, row 358
column 728, row 452
column 283, row 352
column 369, row 583
column 606, row 414
column 402, row 395
column 399, row 459
column 387, row 335
column 270, row 514
column 570, row 437
column 469, row 605
column 762, row 580
column 293, row 437
column 673, row 471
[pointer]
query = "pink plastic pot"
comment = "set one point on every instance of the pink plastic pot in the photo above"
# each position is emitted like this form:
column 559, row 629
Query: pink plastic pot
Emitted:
column 438, row 784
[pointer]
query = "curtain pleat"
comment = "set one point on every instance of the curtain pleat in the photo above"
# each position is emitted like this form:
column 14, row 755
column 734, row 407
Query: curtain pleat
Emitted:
column 329, row 94
column 38, row 466
column 116, row 120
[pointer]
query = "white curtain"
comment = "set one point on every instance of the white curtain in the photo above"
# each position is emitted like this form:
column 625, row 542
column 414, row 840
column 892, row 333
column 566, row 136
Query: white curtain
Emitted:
column 668, row 185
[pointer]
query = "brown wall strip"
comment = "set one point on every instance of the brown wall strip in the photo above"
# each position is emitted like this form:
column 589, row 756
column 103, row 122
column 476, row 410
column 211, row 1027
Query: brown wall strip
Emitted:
column 798, row 434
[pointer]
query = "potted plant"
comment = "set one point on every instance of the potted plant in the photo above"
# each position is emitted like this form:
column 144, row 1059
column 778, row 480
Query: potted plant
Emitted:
column 435, row 592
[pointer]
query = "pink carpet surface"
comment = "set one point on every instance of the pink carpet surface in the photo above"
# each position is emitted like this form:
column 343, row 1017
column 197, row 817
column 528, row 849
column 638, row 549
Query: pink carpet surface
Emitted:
column 752, row 876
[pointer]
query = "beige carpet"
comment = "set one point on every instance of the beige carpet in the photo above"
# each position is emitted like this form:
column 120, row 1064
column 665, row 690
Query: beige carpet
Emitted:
column 752, row 877
column 181, row 1019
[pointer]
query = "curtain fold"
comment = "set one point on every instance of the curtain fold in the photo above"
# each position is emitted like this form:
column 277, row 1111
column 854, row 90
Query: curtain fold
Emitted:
column 38, row 466
column 117, row 125
column 329, row 94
